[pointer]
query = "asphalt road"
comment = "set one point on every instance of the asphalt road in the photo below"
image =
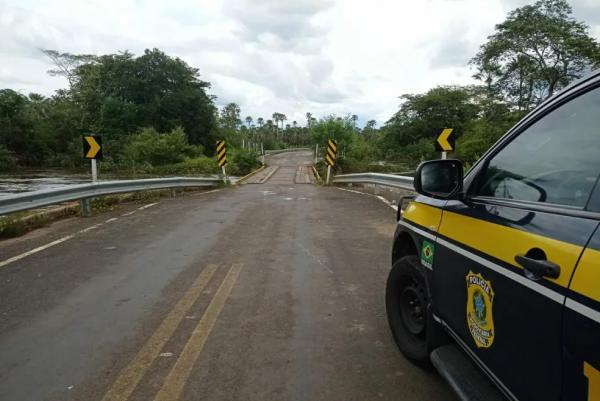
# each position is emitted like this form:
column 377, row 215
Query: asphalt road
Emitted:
column 265, row 291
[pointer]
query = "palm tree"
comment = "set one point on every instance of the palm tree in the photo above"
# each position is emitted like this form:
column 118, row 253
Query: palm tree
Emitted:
column 248, row 121
column 295, row 125
column 260, row 121
column 270, row 127
column 282, row 118
column 38, row 105
column 309, row 119
column 276, row 119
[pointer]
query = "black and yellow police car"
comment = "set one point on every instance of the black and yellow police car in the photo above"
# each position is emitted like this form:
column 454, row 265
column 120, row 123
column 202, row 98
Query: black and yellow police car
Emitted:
column 496, row 275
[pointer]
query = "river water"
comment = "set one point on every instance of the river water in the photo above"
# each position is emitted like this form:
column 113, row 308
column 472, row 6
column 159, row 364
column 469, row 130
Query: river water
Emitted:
column 37, row 180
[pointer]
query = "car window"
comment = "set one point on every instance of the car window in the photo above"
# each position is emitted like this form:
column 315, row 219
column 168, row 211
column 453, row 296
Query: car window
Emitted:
column 556, row 160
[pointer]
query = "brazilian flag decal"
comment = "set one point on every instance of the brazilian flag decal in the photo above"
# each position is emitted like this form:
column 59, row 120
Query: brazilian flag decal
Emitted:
column 427, row 251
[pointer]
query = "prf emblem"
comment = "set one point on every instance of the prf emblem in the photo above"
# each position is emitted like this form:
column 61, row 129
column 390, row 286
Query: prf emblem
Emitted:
column 480, row 302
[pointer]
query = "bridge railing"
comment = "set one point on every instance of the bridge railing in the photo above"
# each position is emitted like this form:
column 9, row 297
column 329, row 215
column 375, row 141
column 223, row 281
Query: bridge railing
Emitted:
column 83, row 192
column 389, row 180
column 275, row 151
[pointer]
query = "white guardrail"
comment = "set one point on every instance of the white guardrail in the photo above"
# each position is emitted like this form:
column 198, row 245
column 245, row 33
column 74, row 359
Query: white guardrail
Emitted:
column 83, row 192
column 389, row 180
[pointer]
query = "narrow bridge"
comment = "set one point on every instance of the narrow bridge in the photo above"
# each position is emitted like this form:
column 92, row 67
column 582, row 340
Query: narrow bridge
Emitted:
column 272, row 290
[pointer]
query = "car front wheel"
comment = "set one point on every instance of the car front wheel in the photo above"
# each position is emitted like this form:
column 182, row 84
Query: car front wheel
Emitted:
column 407, row 300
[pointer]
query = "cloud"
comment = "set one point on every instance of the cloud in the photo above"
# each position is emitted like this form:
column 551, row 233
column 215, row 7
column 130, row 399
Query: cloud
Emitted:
column 452, row 51
column 279, row 25
column 323, row 57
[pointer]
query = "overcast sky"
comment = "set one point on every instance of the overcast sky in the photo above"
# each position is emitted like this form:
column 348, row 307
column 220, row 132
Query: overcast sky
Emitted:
column 290, row 56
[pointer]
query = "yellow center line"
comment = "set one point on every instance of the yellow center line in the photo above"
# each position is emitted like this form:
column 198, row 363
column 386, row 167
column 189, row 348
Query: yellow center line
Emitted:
column 133, row 372
column 173, row 385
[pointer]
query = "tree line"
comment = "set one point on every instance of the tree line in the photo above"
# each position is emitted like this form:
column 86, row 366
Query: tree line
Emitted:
column 154, row 110
column 537, row 51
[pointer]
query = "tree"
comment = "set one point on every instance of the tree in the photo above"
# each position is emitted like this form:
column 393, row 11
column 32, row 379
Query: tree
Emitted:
column 37, row 131
column 120, row 93
column 230, row 116
column 309, row 119
column 276, row 121
column 413, row 129
column 260, row 121
column 248, row 120
column 370, row 131
column 536, row 51
column 282, row 118
column 332, row 127
column 67, row 63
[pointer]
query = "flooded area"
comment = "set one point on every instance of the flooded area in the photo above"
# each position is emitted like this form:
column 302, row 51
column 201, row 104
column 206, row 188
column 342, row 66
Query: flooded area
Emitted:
column 15, row 183
column 37, row 180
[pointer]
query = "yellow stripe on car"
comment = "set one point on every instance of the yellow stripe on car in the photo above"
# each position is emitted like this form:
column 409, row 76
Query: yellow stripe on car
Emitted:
column 504, row 242
column 587, row 278
column 423, row 215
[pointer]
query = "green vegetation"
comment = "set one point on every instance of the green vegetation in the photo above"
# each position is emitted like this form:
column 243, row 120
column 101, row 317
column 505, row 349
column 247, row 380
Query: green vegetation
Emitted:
column 17, row 224
column 156, row 116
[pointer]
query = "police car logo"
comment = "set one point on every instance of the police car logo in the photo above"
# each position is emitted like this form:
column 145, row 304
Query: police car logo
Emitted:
column 480, row 300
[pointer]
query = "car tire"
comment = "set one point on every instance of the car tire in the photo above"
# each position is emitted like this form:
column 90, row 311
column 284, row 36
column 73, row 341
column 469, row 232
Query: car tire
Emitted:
column 407, row 300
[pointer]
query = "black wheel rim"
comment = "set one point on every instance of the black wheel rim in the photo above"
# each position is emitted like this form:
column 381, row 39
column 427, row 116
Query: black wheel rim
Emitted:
column 412, row 308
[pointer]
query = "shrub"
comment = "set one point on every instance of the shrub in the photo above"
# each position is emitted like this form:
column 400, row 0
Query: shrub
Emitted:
column 242, row 162
column 7, row 159
column 196, row 166
column 157, row 149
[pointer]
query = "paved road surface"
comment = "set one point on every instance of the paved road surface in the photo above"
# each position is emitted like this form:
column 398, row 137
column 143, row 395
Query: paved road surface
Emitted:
column 269, row 291
column 286, row 168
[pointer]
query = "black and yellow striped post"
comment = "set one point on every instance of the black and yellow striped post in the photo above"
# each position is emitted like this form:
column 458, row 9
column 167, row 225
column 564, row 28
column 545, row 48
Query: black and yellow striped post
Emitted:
column 330, row 156
column 222, row 157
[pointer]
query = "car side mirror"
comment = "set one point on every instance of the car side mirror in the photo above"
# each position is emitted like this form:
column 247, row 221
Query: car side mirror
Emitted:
column 442, row 179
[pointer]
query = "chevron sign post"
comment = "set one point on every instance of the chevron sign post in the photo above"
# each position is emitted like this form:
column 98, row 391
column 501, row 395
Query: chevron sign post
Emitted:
column 330, row 156
column 92, row 150
column 445, row 142
column 222, row 157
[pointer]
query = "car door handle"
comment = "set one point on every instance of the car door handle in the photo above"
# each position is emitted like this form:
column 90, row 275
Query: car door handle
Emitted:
column 535, row 269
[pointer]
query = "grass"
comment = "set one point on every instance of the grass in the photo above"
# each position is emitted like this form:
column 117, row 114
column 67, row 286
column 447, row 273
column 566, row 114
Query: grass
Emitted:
column 17, row 224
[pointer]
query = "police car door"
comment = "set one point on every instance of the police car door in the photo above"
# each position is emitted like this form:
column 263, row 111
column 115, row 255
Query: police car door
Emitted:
column 505, row 256
column 582, row 322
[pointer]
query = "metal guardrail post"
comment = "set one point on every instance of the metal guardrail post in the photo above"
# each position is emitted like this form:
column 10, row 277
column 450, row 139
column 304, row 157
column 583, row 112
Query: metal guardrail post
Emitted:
column 86, row 207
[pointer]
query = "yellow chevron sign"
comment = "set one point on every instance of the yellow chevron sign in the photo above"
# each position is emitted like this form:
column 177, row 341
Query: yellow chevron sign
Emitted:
column 92, row 147
column 221, row 153
column 445, row 142
column 331, row 154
